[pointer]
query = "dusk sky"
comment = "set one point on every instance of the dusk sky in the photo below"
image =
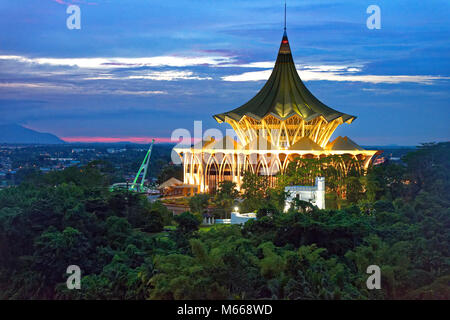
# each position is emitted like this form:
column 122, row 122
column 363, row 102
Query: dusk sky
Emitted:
column 139, row 69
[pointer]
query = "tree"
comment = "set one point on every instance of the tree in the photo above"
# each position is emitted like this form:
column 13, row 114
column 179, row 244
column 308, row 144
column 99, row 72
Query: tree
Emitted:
column 55, row 251
column 267, row 210
column 226, row 196
column 154, row 222
column 373, row 185
column 354, row 189
column 170, row 171
column 187, row 223
column 199, row 203
column 166, row 215
column 70, row 217
column 118, row 230
column 255, row 189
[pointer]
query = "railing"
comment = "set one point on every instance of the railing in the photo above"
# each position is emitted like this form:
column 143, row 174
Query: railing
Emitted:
column 223, row 221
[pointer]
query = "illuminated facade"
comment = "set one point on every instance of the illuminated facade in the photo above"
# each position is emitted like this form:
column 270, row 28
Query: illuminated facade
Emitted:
column 282, row 122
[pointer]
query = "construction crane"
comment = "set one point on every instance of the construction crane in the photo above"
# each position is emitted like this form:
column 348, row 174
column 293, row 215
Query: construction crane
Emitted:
column 137, row 186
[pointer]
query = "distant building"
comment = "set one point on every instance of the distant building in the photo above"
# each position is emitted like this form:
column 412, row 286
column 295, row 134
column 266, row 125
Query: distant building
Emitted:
column 379, row 161
column 174, row 187
column 113, row 150
column 241, row 218
column 236, row 218
column 61, row 159
column 77, row 150
column 314, row 195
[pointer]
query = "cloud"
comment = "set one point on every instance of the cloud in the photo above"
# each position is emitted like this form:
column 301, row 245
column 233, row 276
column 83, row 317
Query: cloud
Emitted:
column 326, row 73
column 138, row 93
column 133, row 66
column 73, row 89
column 118, row 139
column 337, row 73
column 124, row 76
column 271, row 64
column 113, row 63
column 260, row 64
column 249, row 76
column 23, row 85
column 170, row 75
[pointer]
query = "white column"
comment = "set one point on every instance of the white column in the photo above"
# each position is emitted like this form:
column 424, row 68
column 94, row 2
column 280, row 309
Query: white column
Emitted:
column 320, row 196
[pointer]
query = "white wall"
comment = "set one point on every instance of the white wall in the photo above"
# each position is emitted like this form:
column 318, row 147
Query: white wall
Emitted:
column 315, row 195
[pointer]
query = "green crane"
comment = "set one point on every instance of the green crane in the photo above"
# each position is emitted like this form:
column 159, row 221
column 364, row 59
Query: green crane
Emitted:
column 137, row 186
column 144, row 166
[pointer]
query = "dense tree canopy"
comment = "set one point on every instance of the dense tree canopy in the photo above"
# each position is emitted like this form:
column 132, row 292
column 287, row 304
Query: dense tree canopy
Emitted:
column 396, row 217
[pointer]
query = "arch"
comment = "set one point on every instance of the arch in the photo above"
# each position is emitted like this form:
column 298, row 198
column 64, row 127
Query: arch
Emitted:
column 211, row 174
column 275, row 167
column 226, row 170
column 197, row 169
column 248, row 165
column 285, row 164
column 308, row 156
column 262, row 164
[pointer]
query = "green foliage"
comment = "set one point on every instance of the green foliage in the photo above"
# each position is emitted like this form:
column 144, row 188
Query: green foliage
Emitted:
column 62, row 218
column 257, row 193
column 255, row 189
column 354, row 189
column 199, row 202
column 338, row 171
column 155, row 222
column 398, row 218
column 166, row 215
column 225, row 196
column 187, row 223
column 170, row 171
column 55, row 250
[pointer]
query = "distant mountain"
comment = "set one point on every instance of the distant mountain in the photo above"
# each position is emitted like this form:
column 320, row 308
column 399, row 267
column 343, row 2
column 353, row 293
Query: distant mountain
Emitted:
column 14, row 133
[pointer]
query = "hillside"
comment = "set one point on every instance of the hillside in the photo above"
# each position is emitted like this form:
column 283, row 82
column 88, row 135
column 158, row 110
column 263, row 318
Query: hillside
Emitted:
column 14, row 133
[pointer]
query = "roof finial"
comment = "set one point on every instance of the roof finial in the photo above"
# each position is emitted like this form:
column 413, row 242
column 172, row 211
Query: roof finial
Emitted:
column 284, row 15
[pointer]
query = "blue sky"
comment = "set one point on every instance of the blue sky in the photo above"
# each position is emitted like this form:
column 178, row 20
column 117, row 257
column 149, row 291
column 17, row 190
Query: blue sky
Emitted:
column 142, row 68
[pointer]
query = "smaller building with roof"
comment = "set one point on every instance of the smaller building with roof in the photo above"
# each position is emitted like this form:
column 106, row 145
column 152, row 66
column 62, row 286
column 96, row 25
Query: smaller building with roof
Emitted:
column 312, row 194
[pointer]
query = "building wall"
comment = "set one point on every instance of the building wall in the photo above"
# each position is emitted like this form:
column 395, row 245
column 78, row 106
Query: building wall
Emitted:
column 237, row 218
column 315, row 195
column 207, row 169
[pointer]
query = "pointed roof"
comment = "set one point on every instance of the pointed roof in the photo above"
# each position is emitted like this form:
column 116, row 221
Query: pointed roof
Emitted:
column 343, row 143
column 203, row 143
column 260, row 143
column 284, row 95
column 305, row 143
column 170, row 183
column 226, row 143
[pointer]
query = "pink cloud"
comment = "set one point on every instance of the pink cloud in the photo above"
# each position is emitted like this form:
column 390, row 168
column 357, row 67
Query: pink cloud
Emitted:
column 118, row 139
